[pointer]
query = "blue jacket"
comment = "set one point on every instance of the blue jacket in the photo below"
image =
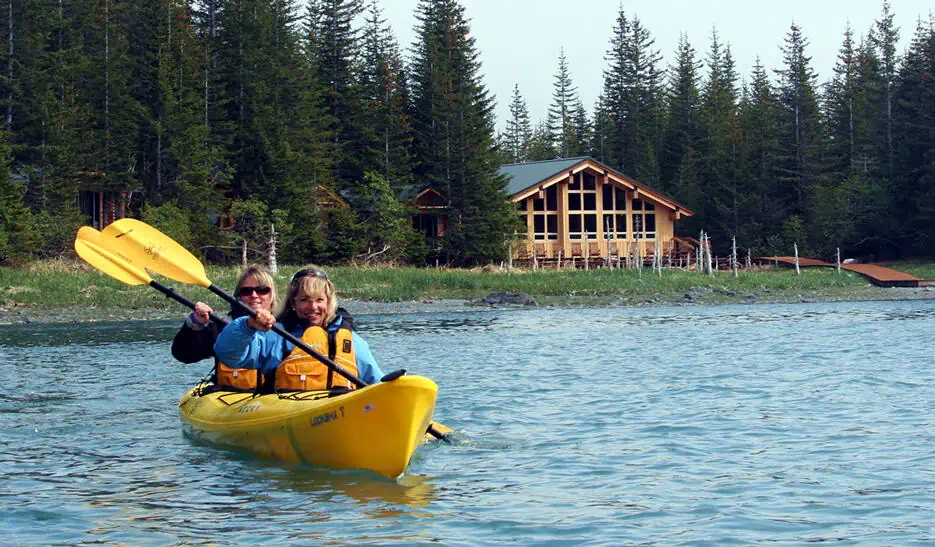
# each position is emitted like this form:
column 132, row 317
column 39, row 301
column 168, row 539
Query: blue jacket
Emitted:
column 240, row 346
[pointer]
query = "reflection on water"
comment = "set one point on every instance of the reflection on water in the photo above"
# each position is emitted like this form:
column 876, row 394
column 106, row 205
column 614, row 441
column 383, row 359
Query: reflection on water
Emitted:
column 387, row 496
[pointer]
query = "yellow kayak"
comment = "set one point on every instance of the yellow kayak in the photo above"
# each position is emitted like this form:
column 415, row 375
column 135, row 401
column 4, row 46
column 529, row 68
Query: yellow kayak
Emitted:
column 376, row 428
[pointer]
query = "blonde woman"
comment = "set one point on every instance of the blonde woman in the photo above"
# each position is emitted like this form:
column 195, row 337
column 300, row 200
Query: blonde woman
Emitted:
column 310, row 312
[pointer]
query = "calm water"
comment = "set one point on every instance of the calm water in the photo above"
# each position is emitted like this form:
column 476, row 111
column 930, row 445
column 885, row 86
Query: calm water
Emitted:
column 764, row 424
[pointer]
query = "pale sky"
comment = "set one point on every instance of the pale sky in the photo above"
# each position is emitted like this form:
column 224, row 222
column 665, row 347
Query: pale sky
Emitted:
column 519, row 40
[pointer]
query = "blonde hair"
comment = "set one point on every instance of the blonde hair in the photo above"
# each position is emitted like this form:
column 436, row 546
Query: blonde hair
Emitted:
column 265, row 278
column 309, row 280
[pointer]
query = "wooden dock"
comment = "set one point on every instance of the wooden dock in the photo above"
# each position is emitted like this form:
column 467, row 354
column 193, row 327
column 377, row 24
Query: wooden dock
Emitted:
column 880, row 276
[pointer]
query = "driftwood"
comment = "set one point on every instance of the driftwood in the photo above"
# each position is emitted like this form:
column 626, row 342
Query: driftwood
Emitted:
column 371, row 256
column 796, row 247
column 733, row 255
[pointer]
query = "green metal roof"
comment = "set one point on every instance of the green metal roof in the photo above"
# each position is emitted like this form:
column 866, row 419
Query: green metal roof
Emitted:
column 524, row 175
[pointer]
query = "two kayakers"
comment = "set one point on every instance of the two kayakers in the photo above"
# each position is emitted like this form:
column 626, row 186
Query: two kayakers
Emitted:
column 195, row 340
column 310, row 312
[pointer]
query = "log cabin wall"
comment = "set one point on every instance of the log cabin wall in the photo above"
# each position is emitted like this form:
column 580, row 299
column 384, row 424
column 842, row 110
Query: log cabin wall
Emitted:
column 102, row 207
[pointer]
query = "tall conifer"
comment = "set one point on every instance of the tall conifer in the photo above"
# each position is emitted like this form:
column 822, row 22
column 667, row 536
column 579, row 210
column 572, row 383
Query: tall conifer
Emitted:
column 454, row 135
column 681, row 133
column 800, row 137
column 562, row 110
column 518, row 132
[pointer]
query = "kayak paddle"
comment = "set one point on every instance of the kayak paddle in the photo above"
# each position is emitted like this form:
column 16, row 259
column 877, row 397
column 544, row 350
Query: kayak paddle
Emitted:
column 146, row 247
column 88, row 247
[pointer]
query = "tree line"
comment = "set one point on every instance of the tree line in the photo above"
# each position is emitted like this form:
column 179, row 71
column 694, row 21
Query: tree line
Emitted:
column 771, row 159
column 219, row 118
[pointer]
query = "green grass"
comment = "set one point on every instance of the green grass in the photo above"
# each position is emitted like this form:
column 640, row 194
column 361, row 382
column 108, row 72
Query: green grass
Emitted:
column 57, row 284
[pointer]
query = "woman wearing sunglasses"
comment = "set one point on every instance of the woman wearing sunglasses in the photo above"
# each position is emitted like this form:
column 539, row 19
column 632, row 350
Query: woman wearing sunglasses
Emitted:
column 311, row 313
column 195, row 340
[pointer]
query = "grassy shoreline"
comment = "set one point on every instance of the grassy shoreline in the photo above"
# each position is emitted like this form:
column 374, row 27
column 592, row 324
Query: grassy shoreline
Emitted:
column 70, row 290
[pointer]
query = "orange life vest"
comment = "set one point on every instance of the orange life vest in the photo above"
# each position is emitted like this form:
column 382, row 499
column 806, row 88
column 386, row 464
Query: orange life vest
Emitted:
column 238, row 379
column 299, row 371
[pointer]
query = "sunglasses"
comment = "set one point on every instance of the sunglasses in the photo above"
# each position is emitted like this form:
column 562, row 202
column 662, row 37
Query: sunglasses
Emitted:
column 308, row 272
column 261, row 290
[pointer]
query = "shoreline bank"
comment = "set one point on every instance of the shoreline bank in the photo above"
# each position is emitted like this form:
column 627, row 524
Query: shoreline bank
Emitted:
column 32, row 314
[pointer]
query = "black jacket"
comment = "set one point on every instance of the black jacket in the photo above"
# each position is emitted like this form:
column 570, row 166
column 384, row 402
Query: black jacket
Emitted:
column 191, row 346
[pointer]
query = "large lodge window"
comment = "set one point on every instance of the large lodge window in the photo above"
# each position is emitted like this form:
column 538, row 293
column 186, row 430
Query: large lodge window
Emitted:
column 614, row 202
column 544, row 213
column 583, row 220
column 644, row 219
column 582, row 207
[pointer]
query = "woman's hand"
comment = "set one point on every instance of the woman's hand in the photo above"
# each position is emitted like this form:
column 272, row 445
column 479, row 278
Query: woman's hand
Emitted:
column 263, row 321
column 202, row 313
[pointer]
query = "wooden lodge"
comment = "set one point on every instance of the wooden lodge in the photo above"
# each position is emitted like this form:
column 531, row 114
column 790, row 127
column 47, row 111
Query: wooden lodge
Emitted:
column 580, row 208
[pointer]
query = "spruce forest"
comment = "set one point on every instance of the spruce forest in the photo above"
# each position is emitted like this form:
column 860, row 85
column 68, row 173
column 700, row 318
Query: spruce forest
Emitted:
column 216, row 119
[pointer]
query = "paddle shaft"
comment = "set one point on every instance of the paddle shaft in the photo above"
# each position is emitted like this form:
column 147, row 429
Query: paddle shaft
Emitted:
column 170, row 293
column 308, row 349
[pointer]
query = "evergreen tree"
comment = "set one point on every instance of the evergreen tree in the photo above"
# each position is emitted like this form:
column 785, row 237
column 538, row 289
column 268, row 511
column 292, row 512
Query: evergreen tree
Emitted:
column 632, row 95
column 800, row 136
column 617, row 92
column 583, row 132
column 914, row 118
column 385, row 128
column 602, row 128
column 762, row 203
column 884, row 37
column 841, row 106
column 46, row 62
column 207, row 17
column 109, row 150
column 453, row 122
column 681, row 134
column 643, row 84
column 518, row 132
column 14, row 216
column 719, row 145
column 167, row 78
column 868, row 123
column 540, row 144
column 561, row 111
column 389, row 236
column 336, row 53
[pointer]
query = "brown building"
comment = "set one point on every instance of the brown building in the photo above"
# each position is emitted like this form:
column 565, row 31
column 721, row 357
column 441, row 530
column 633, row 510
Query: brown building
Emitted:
column 567, row 202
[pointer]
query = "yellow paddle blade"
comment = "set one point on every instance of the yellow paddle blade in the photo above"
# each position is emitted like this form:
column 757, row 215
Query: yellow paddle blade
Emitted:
column 441, row 428
column 147, row 247
column 88, row 247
